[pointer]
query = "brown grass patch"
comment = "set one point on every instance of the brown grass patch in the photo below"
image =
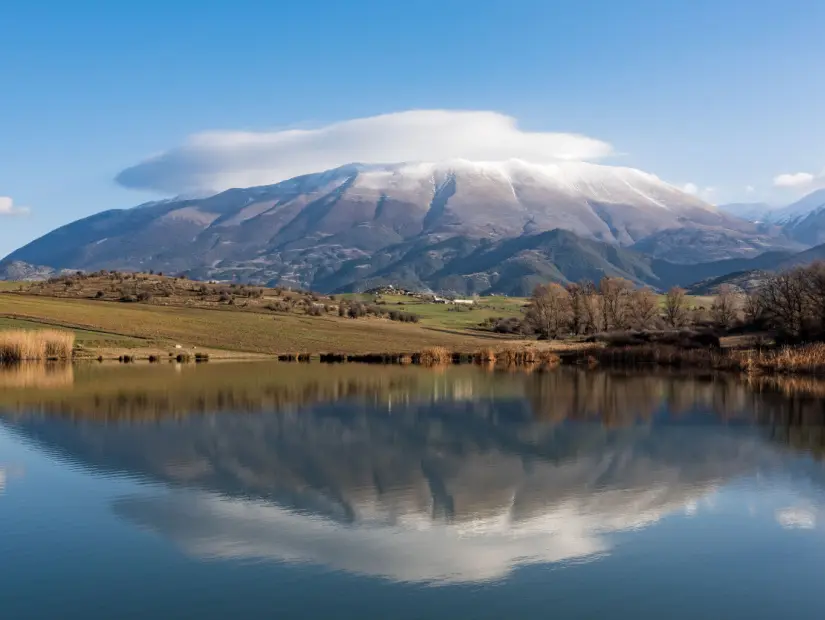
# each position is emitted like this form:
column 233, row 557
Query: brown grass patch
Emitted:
column 808, row 359
column 25, row 345
column 486, row 356
column 434, row 356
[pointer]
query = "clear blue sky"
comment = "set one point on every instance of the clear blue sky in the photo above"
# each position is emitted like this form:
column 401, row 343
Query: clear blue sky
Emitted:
column 724, row 94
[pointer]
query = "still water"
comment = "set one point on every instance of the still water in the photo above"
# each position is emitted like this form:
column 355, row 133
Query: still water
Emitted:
column 287, row 491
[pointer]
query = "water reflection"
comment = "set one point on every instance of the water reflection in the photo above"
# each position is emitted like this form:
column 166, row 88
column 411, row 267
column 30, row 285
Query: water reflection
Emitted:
column 407, row 475
column 51, row 375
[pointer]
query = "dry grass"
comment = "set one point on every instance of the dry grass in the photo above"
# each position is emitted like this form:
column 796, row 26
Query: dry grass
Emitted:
column 486, row 356
column 434, row 356
column 59, row 344
column 24, row 345
column 806, row 359
column 798, row 360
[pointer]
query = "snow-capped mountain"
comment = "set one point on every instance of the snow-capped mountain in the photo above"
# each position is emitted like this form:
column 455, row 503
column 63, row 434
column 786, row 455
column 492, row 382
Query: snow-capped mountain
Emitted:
column 803, row 220
column 783, row 214
column 334, row 228
column 751, row 211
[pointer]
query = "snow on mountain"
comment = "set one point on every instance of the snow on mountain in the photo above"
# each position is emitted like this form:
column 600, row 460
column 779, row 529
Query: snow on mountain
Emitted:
column 750, row 211
column 803, row 207
column 316, row 227
column 781, row 215
column 609, row 184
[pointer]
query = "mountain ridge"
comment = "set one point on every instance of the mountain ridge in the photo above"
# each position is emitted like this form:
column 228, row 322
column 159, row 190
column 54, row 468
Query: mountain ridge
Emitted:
column 333, row 229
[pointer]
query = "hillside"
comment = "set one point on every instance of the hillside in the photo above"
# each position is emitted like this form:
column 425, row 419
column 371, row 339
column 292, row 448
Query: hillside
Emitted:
column 739, row 281
column 347, row 228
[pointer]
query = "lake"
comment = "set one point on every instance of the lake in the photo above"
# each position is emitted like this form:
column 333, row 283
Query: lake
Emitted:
column 255, row 490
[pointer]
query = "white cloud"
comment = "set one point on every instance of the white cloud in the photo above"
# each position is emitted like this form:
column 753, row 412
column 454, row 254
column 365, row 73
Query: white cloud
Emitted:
column 798, row 179
column 7, row 207
column 749, row 189
column 222, row 159
column 705, row 193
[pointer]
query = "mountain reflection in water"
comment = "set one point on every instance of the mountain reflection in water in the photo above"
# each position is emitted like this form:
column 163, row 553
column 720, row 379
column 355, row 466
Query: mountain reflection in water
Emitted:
column 416, row 476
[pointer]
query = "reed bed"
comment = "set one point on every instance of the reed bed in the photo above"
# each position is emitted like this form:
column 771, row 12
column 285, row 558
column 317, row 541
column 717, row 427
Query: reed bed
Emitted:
column 434, row 356
column 808, row 359
column 798, row 360
column 35, row 345
column 441, row 356
column 486, row 356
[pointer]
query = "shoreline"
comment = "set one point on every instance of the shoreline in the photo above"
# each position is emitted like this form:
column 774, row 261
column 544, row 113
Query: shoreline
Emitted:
column 800, row 360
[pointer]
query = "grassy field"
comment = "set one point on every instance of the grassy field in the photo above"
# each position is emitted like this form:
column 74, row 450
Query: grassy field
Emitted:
column 9, row 286
column 84, row 337
column 447, row 315
column 111, row 325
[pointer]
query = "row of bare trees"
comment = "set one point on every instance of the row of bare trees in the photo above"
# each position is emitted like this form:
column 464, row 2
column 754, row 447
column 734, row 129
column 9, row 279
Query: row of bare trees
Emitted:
column 615, row 304
column 791, row 303
column 585, row 308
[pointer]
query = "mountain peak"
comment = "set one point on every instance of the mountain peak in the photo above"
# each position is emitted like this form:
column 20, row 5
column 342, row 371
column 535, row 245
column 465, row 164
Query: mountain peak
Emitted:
column 354, row 222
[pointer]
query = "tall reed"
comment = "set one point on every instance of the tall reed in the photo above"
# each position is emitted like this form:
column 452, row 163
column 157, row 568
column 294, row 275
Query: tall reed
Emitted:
column 435, row 356
column 59, row 344
column 24, row 345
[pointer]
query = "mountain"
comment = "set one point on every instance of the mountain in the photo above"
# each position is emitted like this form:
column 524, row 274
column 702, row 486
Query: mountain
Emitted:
column 424, row 223
column 806, row 219
column 511, row 266
column 739, row 281
column 18, row 270
column 780, row 215
column 751, row 211
column 742, row 274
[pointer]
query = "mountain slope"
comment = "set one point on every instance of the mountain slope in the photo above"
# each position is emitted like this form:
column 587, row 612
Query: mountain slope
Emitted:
column 751, row 211
column 806, row 219
column 510, row 266
column 334, row 229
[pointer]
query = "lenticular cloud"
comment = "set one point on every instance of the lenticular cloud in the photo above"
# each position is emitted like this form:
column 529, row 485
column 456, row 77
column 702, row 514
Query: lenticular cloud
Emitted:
column 224, row 159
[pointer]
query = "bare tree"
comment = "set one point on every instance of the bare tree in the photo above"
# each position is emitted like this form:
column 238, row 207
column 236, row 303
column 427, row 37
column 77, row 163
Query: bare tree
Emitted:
column 676, row 307
column 644, row 308
column 549, row 310
column 753, row 308
column 578, row 308
column 697, row 316
column 725, row 307
column 592, row 308
column 615, row 294
column 784, row 301
column 814, row 286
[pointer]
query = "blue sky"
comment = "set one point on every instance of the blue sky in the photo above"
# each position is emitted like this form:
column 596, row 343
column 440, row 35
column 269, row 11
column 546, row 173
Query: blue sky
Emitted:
column 725, row 95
